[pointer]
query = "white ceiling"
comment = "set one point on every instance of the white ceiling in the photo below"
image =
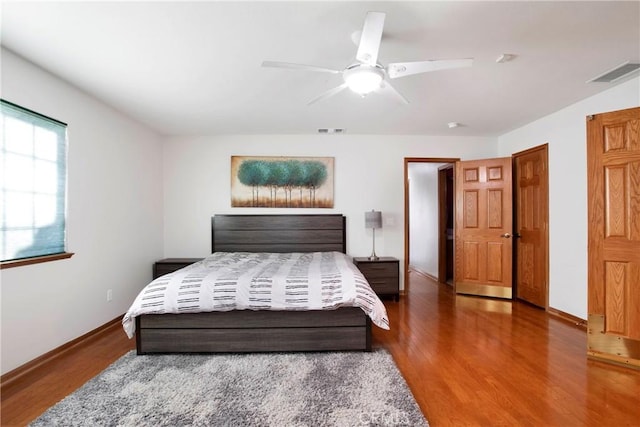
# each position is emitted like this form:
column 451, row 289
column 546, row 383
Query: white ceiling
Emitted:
column 195, row 68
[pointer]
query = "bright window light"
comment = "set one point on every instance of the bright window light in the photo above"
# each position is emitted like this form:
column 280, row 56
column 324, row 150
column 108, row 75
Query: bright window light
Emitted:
column 33, row 175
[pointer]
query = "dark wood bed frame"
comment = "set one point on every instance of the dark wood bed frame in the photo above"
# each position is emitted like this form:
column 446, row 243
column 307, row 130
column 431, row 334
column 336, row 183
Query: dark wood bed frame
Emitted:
column 346, row 328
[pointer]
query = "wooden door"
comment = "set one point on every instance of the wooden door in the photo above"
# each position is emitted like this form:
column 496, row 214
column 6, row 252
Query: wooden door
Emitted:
column 483, row 228
column 531, row 225
column 445, row 223
column 613, row 165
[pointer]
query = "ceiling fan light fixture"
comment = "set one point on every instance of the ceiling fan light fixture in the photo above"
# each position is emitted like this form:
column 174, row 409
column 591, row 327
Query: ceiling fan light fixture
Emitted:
column 363, row 79
column 366, row 74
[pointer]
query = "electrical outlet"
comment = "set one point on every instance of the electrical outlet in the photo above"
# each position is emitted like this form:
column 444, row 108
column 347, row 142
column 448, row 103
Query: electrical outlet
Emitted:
column 109, row 295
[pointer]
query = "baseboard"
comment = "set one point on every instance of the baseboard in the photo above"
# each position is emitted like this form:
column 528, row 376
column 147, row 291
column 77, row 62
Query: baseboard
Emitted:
column 13, row 380
column 576, row 321
column 423, row 273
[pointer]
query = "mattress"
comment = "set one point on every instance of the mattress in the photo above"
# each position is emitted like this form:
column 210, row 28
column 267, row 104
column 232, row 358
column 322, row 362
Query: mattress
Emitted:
column 227, row 281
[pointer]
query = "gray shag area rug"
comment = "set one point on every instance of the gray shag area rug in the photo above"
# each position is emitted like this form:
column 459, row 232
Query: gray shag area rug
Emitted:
column 282, row 389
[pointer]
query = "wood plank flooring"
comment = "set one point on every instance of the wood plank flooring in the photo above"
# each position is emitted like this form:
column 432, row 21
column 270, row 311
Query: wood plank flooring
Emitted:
column 469, row 362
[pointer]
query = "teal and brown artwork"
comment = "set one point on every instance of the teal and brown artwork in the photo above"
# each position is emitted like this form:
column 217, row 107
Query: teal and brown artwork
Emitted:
column 282, row 182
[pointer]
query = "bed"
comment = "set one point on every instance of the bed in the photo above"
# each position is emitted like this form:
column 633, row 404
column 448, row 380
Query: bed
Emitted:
column 249, row 330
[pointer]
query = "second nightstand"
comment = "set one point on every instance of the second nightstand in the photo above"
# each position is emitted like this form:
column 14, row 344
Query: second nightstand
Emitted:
column 382, row 274
column 169, row 265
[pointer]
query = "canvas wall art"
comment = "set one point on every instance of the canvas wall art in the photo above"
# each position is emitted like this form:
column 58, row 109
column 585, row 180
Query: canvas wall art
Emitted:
column 282, row 182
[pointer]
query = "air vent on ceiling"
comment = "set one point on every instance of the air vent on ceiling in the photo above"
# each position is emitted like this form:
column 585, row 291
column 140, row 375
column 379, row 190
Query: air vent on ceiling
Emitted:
column 331, row 130
column 617, row 73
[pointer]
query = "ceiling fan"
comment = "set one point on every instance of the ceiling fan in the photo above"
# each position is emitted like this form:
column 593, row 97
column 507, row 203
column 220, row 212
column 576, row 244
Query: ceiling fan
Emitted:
column 366, row 75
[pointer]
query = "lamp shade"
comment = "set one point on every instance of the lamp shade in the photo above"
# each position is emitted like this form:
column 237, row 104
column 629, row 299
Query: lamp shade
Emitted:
column 373, row 219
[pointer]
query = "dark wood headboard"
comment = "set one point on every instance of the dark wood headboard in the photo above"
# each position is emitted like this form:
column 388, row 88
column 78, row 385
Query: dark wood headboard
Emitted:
column 278, row 233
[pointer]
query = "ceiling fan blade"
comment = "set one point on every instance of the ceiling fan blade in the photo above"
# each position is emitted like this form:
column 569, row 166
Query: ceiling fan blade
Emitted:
column 275, row 64
column 402, row 69
column 387, row 89
column 370, row 39
column 328, row 93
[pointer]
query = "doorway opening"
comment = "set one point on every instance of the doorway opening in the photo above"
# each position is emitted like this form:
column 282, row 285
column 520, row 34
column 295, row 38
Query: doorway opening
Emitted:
column 426, row 212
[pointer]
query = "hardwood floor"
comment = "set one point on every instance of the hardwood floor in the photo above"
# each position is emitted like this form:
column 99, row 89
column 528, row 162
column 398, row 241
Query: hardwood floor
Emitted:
column 469, row 362
column 44, row 389
column 485, row 362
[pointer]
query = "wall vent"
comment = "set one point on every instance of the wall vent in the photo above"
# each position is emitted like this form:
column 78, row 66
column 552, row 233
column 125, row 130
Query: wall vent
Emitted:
column 617, row 73
column 331, row 130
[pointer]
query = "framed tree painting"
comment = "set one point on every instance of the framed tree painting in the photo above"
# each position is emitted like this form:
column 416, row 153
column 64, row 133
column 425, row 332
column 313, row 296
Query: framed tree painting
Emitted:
column 282, row 182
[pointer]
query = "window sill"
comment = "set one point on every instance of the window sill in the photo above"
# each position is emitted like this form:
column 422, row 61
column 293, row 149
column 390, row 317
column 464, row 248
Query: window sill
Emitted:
column 34, row 260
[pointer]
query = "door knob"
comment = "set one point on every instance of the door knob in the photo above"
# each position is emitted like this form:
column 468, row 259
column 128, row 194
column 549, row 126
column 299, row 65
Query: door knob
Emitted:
column 506, row 235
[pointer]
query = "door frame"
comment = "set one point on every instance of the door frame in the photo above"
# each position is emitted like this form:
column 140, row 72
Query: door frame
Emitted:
column 408, row 160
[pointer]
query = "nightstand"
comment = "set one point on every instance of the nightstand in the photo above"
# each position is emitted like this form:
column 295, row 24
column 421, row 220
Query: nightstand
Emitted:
column 382, row 274
column 169, row 265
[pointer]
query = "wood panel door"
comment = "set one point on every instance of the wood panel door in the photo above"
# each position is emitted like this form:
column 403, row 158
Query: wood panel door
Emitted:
column 483, row 228
column 445, row 223
column 613, row 164
column 531, row 225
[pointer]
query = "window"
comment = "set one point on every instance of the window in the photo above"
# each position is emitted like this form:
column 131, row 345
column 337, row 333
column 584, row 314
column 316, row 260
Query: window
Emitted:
column 33, row 161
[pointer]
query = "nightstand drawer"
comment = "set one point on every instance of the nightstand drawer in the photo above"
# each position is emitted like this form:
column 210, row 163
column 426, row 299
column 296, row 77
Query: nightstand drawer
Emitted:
column 383, row 274
column 169, row 265
column 384, row 286
column 379, row 269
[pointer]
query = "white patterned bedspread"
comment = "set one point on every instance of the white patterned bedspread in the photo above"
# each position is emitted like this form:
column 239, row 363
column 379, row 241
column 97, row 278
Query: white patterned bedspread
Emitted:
column 260, row 281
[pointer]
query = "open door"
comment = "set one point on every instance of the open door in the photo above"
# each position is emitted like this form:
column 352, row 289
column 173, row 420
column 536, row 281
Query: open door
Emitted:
column 483, row 228
column 531, row 225
column 445, row 223
column 613, row 164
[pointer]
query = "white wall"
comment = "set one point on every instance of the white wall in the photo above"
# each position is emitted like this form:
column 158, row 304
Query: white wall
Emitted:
column 369, row 174
column 423, row 217
column 114, row 223
column 565, row 132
